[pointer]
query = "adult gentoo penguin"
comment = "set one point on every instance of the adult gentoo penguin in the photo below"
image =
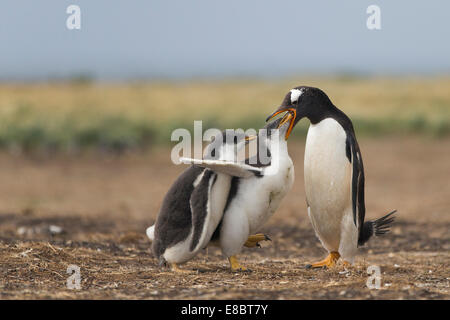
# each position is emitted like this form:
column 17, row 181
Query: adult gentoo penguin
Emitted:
column 334, row 176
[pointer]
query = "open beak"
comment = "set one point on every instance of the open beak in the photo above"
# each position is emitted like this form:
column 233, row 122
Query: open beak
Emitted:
column 289, row 116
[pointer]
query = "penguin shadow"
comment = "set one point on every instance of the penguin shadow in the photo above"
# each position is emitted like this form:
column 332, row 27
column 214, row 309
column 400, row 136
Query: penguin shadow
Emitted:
column 189, row 268
column 193, row 270
column 200, row 268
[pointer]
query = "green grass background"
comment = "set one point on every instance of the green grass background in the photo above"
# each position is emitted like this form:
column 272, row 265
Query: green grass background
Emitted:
column 80, row 115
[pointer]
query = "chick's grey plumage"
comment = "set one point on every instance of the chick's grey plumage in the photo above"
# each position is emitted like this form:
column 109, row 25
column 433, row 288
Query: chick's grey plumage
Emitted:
column 176, row 212
column 193, row 207
column 184, row 224
column 189, row 214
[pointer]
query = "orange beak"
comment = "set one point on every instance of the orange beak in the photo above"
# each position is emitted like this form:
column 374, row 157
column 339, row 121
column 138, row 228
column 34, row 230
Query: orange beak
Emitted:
column 289, row 116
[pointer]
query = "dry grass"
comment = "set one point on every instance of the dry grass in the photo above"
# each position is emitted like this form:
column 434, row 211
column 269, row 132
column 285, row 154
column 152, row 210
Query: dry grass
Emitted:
column 105, row 203
column 359, row 97
column 130, row 115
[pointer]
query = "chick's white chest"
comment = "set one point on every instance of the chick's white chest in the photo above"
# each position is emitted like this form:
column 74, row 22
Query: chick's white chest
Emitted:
column 263, row 195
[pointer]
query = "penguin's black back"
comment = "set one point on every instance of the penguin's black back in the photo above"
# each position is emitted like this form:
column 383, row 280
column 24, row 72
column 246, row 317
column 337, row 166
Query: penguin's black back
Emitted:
column 175, row 218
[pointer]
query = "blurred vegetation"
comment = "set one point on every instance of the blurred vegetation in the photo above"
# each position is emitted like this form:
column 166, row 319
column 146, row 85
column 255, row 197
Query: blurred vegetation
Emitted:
column 79, row 115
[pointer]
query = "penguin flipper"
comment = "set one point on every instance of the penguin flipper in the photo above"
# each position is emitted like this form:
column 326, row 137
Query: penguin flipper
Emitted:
column 235, row 169
column 205, row 218
column 357, row 181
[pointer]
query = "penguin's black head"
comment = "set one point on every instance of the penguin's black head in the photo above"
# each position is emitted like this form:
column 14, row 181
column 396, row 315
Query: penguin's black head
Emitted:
column 302, row 102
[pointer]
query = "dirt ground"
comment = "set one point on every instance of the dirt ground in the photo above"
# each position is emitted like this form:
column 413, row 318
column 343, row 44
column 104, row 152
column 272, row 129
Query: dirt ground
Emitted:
column 92, row 211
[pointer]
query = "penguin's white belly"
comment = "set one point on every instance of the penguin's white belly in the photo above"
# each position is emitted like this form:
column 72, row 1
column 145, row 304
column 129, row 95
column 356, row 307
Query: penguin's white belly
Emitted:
column 328, row 181
column 261, row 197
column 180, row 252
column 256, row 200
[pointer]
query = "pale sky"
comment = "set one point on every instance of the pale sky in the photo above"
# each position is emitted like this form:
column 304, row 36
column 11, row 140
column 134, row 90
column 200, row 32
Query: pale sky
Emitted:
column 202, row 38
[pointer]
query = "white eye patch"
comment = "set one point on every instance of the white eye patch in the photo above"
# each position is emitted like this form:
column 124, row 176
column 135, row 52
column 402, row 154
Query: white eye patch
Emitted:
column 295, row 94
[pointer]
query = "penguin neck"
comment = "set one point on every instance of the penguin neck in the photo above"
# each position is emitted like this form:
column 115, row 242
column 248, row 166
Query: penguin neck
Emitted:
column 321, row 112
column 279, row 147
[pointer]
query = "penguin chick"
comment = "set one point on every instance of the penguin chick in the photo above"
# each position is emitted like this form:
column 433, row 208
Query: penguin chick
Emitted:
column 254, row 198
column 192, row 209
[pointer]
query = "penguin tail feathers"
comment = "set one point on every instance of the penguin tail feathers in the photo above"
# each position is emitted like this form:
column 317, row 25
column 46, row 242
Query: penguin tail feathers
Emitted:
column 377, row 228
column 151, row 232
column 382, row 225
